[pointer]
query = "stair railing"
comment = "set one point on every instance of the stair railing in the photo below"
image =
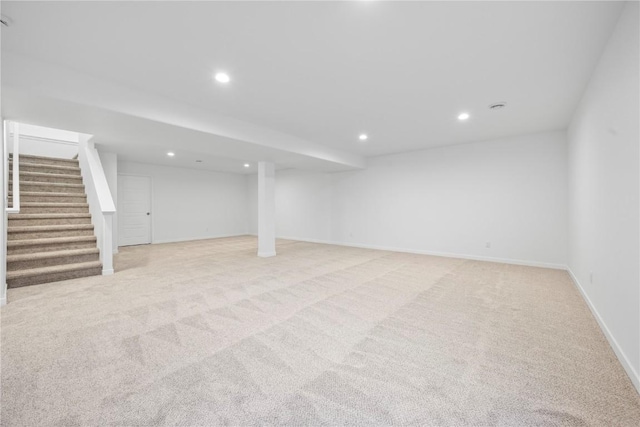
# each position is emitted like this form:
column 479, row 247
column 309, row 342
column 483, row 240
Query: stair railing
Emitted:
column 15, row 203
column 100, row 201
column 14, row 128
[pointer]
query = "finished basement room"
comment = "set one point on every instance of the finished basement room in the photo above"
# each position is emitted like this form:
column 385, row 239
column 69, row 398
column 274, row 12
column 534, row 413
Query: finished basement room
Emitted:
column 320, row 213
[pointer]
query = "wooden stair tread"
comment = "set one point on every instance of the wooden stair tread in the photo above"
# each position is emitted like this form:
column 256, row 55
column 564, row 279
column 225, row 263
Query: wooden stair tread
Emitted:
column 52, row 254
column 49, row 241
column 52, row 269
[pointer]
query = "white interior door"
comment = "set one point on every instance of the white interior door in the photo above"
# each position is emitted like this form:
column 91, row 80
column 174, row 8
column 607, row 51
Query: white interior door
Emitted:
column 134, row 210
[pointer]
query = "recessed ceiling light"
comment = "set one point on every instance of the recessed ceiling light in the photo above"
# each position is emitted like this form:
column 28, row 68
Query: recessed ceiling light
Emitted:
column 171, row 154
column 246, row 165
column 222, row 77
column 363, row 137
column 463, row 116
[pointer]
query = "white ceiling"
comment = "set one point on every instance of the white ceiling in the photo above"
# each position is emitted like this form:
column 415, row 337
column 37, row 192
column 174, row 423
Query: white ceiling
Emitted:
column 323, row 72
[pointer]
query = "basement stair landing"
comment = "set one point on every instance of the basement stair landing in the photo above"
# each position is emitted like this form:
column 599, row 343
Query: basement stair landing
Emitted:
column 52, row 237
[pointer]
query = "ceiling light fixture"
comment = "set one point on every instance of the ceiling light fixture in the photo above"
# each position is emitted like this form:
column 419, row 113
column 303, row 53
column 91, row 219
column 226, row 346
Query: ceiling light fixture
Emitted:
column 246, row 165
column 463, row 116
column 363, row 137
column 171, row 154
column 222, row 77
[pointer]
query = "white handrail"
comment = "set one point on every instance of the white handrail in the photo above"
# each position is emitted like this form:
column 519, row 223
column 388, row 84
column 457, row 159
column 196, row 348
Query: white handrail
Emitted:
column 100, row 201
column 15, row 204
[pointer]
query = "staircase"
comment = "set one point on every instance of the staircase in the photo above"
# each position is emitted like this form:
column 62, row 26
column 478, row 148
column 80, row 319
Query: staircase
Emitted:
column 52, row 238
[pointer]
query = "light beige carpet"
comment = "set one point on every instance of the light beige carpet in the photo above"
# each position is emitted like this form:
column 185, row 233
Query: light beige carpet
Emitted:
column 205, row 333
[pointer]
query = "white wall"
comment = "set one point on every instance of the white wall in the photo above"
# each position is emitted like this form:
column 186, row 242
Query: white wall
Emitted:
column 47, row 142
column 110, row 166
column 450, row 200
column 49, row 133
column 303, row 204
column 604, row 192
column 188, row 204
column 47, row 148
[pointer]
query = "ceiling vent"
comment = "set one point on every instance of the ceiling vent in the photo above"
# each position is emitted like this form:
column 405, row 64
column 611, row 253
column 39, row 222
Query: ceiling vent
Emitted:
column 5, row 20
column 497, row 106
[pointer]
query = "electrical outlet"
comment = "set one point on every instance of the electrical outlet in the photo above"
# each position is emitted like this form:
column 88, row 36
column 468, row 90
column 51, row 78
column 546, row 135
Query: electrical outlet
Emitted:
column 488, row 245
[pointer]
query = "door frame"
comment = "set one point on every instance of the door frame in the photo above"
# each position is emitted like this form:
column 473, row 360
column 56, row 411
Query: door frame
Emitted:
column 151, row 205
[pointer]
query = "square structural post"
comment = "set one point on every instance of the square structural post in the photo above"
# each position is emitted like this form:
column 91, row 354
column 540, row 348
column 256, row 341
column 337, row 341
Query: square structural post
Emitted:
column 266, row 210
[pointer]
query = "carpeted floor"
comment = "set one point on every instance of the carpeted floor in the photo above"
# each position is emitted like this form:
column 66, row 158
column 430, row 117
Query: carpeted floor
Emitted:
column 205, row 333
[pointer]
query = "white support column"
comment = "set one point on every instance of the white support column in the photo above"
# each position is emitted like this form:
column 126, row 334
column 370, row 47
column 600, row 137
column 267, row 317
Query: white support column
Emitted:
column 107, row 245
column 266, row 209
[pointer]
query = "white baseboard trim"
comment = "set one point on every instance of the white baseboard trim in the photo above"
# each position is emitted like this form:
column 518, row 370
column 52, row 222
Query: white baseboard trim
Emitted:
column 108, row 272
column 434, row 253
column 622, row 357
column 190, row 239
column 266, row 254
column 3, row 301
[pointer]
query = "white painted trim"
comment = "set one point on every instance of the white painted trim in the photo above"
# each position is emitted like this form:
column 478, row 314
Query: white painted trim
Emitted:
column 49, row 140
column 217, row 236
column 266, row 254
column 3, row 300
column 622, row 357
column 107, row 272
column 99, row 197
column 89, row 159
column 434, row 253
